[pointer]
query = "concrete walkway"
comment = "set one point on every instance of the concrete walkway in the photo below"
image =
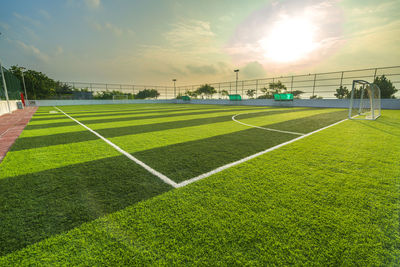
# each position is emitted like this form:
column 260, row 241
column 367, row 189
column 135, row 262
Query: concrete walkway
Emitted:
column 11, row 126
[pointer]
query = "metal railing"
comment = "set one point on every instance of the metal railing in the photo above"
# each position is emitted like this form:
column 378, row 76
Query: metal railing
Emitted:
column 312, row 85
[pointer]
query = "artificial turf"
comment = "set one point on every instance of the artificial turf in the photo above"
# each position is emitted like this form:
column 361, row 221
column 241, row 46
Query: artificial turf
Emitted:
column 329, row 199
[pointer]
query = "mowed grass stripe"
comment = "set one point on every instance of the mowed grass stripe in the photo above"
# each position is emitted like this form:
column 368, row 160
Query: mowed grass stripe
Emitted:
column 318, row 201
column 131, row 118
column 32, row 131
column 182, row 161
column 75, row 144
column 64, row 135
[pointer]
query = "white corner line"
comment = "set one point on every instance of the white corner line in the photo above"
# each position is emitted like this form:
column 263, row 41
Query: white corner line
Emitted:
column 144, row 165
column 219, row 169
column 268, row 129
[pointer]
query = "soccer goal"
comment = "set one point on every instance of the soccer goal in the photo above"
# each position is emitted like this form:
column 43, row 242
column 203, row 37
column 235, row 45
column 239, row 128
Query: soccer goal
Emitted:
column 365, row 101
column 120, row 98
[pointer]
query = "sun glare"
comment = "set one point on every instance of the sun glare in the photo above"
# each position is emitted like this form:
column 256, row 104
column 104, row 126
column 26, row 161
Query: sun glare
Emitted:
column 289, row 40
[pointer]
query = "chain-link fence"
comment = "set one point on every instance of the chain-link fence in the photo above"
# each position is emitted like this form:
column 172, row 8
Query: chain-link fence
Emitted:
column 316, row 85
column 14, row 88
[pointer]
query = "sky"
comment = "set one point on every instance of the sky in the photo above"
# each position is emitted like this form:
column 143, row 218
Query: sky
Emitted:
column 154, row 41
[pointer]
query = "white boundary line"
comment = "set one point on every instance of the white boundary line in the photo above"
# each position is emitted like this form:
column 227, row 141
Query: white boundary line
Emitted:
column 144, row 165
column 268, row 129
column 204, row 175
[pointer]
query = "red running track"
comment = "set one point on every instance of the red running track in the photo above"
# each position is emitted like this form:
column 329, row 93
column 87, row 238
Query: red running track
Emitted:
column 11, row 126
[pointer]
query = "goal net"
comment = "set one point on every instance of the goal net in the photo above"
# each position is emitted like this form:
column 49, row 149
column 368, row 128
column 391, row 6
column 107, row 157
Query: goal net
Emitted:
column 365, row 101
column 120, row 98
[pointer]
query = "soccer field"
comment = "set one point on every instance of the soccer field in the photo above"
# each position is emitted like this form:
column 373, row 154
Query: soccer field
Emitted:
column 201, row 184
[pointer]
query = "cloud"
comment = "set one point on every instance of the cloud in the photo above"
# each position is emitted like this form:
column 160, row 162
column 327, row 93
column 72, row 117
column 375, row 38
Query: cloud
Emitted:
column 31, row 33
column 59, row 50
column 111, row 28
column 44, row 14
column 226, row 18
column 92, row 3
column 114, row 29
column 5, row 26
column 27, row 19
column 252, row 40
column 34, row 51
column 202, row 70
column 190, row 33
column 253, row 70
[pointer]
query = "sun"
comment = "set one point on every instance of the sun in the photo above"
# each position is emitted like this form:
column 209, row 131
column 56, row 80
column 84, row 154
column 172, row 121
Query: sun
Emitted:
column 290, row 39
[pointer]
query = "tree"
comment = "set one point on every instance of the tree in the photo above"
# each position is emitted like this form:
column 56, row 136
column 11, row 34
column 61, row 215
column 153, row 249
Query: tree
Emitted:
column 273, row 88
column 191, row 94
column 250, row 93
column 297, row 93
column 316, row 97
column 224, row 93
column 268, row 94
column 387, row 88
column 38, row 85
column 147, row 93
column 278, row 87
column 206, row 90
column 342, row 92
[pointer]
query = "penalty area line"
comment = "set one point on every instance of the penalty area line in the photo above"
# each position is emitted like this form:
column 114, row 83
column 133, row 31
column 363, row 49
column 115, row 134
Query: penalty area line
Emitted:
column 219, row 169
column 142, row 164
column 263, row 128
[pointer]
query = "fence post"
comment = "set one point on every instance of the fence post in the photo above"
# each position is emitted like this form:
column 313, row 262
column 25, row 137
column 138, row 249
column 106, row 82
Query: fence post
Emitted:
column 242, row 89
column 291, row 85
column 256, row 88
column 375, row 73
column 230, row 87
column 313, row 88
column 341, row 79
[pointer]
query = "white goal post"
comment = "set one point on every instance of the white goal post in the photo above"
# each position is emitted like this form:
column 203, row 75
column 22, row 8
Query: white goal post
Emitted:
column 365, row 101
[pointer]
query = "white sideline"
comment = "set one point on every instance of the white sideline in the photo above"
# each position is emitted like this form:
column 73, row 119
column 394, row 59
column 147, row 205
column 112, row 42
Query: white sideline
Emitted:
column 144, row 165
column 268, row 129
column 204, row 175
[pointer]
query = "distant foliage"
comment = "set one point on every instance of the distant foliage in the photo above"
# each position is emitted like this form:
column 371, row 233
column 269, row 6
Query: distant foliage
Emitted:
column 297, row 93
column 316, row 97
column 250, row 93
column 109, row 94
column 147, row 93
column 387, row 88
column 273, row 88
column 224, row 93
column 206, row 90
column 342, row 92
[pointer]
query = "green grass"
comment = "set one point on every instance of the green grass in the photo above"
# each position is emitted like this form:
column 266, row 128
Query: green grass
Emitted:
column 329, row 199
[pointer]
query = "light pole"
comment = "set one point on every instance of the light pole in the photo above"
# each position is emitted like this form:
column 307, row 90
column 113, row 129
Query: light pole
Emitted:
column 237, row 76
column 174, row 80
column 5, row 86
column 23, row 82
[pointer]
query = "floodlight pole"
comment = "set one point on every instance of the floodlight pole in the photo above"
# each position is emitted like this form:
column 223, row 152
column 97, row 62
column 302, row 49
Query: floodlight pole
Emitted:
column 174, row 80
column 237, row 77
column 23, row 82
column 5, row 88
